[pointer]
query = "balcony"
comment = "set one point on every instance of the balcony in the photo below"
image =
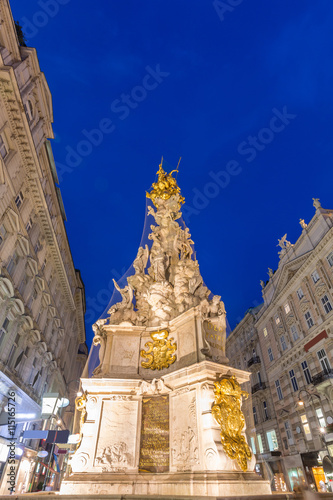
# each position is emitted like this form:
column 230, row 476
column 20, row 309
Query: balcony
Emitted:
column 258, row 387
column 253, row 361
column 323, row 376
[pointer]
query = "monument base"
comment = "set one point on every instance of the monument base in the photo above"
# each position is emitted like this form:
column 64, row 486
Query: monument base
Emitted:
column 158, row 437
column 205, row 484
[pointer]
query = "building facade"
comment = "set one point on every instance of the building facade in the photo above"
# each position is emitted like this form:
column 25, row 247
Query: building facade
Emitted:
column 42, row 301
column 294, row 329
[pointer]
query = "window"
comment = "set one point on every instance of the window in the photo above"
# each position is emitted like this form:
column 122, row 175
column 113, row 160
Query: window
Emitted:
column 272, row 440
column 294, row 332
column 293, row 380
column 278, row 389
column 277, row 319
column 29, row 110
column 321, row 418
column 265, row 332
column 288, row 432
column 300, row 293
column 12, row 263
column 3, row 233
column 286, row 308
column 285, row 443
column 283, row 343
column 308, row 319
column 270, row 354
column 44, row 264
column 255, row 416
column 12, row 350
column 28, row 225
column 325, row 364
column 261, row 448
column 326, row 303
column 306, row 427
column 315, row 276
column 19, row 199
column 3, row 148
column 5, row 324
column 266, row 416
column 253, row 446
column 306, row 372
column 259, row 378
column 330, row 259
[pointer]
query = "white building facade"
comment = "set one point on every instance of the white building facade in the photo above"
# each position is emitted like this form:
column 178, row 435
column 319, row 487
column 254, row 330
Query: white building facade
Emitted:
column 42, row 300
column 294, row 329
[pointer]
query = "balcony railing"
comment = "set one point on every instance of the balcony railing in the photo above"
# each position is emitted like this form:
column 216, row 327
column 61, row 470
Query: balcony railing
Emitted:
column 253, row 361
column 258, row 387
column 322, row 376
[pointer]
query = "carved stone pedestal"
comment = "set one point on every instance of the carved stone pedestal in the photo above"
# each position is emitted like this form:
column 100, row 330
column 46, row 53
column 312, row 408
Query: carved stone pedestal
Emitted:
column 158, row 437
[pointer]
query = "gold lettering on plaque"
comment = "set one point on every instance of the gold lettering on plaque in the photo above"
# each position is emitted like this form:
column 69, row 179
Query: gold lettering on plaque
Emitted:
column 160, row 351
column 154, row 449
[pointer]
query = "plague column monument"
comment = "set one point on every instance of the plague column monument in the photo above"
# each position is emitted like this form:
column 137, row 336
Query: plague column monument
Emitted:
column 161, row 414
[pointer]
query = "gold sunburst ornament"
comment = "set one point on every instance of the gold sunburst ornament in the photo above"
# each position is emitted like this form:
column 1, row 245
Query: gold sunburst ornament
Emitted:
column 160, row 352
column 227, row 413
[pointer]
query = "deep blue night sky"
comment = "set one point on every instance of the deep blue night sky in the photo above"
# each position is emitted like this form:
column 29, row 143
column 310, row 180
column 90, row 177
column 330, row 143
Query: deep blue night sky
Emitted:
column 221, row 78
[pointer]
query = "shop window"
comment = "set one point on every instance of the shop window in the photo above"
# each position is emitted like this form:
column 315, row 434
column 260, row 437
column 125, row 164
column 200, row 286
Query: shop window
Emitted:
column 253, row 446
column 272, row 440
column 259, row 439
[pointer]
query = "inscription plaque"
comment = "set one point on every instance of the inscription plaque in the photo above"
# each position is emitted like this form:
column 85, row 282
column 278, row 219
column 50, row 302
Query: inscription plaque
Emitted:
column 154, row 449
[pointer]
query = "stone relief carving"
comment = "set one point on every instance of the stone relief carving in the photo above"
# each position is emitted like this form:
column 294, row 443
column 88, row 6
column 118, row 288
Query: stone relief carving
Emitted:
column 79, row 462
column 185, row 451
column 156, row 386
column 321, row 289
column 115, row 458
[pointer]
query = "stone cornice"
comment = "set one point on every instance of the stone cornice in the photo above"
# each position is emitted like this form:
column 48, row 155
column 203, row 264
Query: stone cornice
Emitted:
column 14, row 107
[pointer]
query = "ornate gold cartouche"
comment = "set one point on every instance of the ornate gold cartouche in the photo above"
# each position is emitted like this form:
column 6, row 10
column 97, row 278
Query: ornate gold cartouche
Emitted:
column 165, row 187
column 227, row 413
column 160, row 351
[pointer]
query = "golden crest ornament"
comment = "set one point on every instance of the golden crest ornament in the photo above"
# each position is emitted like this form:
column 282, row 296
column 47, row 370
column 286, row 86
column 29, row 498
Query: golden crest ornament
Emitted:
column 160, row 353
column 227, row 413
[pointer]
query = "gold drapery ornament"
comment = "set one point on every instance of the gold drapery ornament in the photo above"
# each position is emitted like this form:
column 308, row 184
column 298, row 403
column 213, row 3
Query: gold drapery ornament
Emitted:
column 165, row 187
column 80, row 405
column 160, row 351
column 227, row 413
